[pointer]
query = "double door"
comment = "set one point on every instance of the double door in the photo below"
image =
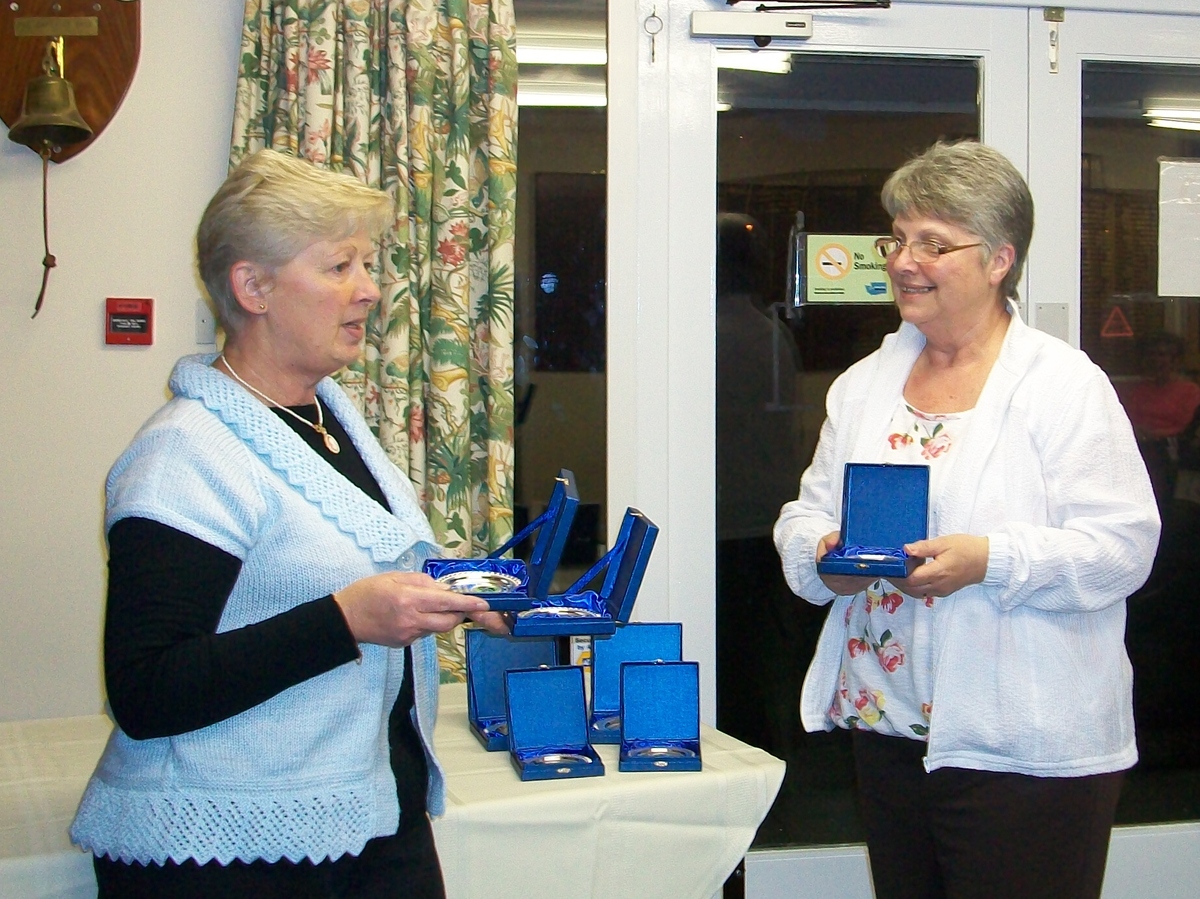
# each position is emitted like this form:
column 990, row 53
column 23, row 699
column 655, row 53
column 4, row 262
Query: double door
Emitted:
column 816, row 131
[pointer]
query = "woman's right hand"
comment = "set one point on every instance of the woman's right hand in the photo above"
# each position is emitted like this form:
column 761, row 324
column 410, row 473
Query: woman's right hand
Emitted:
column 841, row 584
column 399, row 607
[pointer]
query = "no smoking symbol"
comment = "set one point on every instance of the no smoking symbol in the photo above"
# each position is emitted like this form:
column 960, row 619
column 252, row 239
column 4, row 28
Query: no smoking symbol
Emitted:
column 833, row 261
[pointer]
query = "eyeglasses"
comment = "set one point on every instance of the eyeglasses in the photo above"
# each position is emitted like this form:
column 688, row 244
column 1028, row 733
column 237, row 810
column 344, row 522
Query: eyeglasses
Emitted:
column 924, row 252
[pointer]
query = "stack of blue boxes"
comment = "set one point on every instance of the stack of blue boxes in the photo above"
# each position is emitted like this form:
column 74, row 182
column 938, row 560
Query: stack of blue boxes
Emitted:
column 523, row 699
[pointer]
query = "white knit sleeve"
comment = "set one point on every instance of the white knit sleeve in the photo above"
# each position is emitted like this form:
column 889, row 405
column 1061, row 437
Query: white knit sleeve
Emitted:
column 1103, row 525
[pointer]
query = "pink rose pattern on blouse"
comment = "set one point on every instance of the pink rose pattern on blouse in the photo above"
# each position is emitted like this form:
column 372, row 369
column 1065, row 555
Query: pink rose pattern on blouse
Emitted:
column 875, row 650
column 929, row 431
column 864, row 708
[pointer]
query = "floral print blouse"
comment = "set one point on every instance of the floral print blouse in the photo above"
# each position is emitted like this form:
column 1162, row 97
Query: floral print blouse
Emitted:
column 886, row 681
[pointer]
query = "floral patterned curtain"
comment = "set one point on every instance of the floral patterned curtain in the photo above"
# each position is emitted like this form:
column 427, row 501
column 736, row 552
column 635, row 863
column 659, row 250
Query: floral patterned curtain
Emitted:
column 417, row 98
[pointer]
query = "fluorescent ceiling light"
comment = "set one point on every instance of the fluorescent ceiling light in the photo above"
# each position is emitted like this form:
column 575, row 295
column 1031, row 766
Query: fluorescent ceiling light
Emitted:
column 1186, row 113
column 583, row 47
column 773, row 62
column 1182, row 113
column 1181, row 124
column 546, row 94
column 547, row 55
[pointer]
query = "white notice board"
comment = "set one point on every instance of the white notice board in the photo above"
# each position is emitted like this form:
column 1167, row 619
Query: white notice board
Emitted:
column 1178, row 227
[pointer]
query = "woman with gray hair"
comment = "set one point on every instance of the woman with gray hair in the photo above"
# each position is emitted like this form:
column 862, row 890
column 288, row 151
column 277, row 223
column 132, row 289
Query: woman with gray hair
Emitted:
column 268, row 648
column 988, row 693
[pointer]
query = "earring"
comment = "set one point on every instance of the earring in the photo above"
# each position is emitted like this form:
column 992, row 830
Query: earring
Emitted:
column 262, row 305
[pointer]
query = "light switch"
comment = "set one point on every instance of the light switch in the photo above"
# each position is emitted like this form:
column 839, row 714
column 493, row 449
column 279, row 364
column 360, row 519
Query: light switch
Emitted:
column 206, row 325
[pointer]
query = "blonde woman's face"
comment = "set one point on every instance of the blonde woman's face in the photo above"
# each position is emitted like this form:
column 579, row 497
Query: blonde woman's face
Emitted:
column 319, row 301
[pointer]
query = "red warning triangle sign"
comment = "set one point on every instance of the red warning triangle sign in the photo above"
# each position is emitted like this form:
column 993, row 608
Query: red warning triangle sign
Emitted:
column 1117, row 325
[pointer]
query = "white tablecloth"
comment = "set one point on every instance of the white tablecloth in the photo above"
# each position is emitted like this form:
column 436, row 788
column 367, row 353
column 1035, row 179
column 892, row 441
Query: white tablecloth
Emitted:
column 670, row 834
column 675, row 835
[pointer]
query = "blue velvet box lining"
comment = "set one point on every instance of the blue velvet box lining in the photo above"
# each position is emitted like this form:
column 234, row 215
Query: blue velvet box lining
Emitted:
column 547, row 718
column 884, row 507
column 552, row 527
column 488, row 657
column 623, row 566
column 660, row 716
column 635, row 642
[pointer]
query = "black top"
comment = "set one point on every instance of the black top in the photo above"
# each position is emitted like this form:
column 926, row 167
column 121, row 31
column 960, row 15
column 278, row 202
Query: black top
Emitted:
column 168, row 671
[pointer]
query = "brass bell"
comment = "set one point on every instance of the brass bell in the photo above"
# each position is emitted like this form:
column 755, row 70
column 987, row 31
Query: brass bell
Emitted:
column 49, row 116
column 49, row 121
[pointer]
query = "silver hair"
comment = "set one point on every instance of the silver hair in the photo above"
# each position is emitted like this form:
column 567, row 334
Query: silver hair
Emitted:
column 971, row 185
column 269, row 210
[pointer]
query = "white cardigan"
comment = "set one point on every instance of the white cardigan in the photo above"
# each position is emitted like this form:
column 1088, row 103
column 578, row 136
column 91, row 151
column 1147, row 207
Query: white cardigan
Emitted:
column 1031, row 674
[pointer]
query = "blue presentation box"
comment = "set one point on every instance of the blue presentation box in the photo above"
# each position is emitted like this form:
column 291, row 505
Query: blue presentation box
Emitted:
column 547, row 724
column 488, row 657
column 634, row 642
column 583, row 612
column 883, row 508
column 660, row 716
column 511, row 585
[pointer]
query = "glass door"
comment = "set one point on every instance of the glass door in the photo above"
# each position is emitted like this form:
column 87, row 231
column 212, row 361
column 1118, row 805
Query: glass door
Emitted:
column 1131, row 87
column 560, row 360
column 811, row 140
column 815, row 132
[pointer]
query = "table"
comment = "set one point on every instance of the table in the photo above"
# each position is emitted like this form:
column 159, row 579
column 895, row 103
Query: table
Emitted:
column 44, row 766
column 675, row 835
column 669, row 834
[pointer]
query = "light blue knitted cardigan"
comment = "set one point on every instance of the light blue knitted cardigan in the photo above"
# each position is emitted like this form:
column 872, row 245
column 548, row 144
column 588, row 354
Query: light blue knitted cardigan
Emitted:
column 307, row 773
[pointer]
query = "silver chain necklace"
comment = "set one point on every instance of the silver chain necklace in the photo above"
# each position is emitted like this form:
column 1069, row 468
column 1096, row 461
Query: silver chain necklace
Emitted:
column 331, row 443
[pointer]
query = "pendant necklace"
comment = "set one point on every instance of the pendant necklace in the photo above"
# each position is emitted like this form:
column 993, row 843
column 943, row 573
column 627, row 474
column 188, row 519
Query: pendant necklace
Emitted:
column 331, row 443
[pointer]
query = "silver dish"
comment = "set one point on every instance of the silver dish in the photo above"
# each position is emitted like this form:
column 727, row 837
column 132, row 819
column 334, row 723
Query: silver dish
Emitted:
column 661, row 752
column 558, row 612
column 559, row 758
column 480, row 582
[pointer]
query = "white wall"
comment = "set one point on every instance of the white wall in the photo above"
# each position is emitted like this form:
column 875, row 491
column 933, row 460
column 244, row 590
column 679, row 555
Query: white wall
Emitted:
column 122, row 218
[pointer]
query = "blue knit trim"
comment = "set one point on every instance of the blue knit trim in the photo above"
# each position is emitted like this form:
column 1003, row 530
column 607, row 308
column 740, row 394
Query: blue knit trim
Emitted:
column 387, row 537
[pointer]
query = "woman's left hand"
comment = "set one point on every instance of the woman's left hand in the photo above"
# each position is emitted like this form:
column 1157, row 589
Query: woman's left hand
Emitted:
column 951, row 563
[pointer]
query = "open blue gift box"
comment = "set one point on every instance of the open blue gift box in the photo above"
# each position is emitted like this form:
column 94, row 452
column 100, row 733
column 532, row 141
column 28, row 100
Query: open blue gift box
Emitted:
column 547, row 724
column 582, row 612
column 635, row 642
column 660, row 716
column 512, row 584
column 883, row 508
column 489, row 656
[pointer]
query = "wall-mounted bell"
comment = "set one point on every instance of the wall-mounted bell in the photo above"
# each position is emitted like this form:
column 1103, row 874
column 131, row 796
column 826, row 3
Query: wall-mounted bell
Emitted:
column 49, row 121
column 49, row 116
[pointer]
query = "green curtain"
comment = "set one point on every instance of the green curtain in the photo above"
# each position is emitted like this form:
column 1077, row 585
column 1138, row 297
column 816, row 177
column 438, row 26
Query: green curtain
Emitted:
column 417, row 98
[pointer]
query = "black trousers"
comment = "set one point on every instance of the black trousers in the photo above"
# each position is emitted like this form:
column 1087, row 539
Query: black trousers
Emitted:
column 954, row 833
column 403, row 866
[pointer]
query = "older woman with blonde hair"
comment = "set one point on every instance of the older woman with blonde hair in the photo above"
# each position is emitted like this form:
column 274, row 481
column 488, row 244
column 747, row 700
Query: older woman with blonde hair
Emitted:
column 988, row 693
column 267, row 650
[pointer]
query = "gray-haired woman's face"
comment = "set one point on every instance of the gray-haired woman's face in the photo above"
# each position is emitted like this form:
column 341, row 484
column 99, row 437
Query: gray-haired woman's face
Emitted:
column 954, row 288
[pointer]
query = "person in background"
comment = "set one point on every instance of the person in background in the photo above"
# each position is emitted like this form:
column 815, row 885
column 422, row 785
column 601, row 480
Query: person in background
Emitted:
column 1161, row 406
column 989, row 694
column 268, row 654
column 759, row 459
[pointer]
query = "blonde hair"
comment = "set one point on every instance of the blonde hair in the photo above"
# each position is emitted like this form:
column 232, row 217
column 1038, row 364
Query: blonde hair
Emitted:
column 270, row 208
column 971, row 185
